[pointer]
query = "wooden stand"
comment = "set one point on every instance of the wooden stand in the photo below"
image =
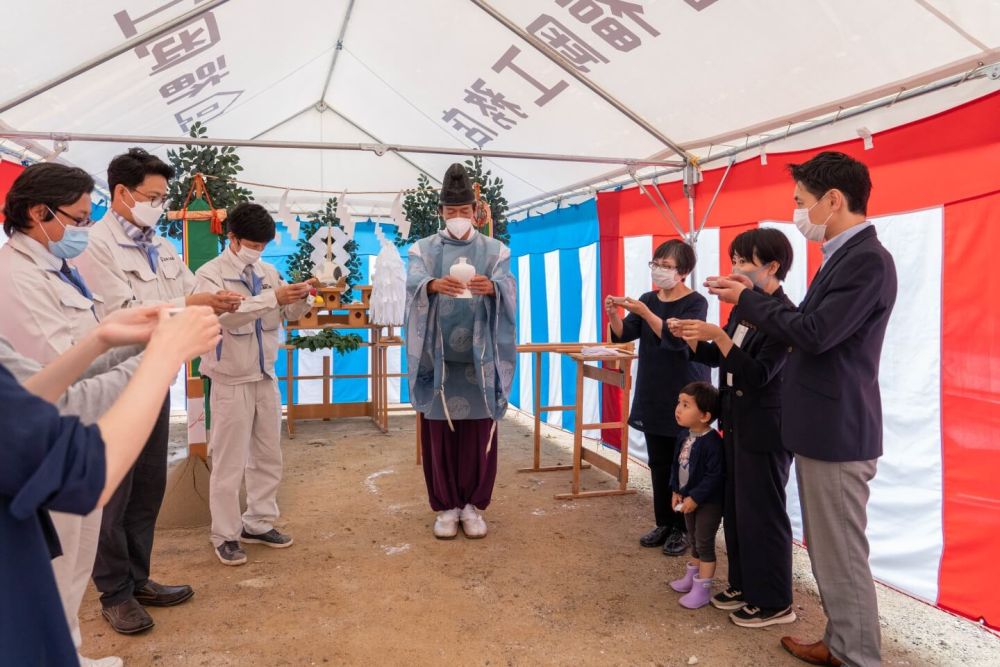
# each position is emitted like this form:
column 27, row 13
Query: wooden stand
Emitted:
column 381, row 375
column 617, row 372
column 356, row 317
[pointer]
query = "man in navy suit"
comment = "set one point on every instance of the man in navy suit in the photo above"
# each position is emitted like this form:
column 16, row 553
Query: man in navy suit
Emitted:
column 831, row 407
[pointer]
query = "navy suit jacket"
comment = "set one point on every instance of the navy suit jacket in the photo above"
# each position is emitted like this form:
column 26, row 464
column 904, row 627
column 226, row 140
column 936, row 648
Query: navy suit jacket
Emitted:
column 706, row 468
column 754, row 400
column 831, row 408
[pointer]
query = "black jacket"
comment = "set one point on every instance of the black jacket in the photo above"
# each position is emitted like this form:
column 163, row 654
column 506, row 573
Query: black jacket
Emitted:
column 753, row 417
column 706, row 469
column 831, row 408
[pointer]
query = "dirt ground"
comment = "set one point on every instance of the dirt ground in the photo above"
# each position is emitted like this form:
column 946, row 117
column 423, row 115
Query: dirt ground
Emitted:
column 554, row 583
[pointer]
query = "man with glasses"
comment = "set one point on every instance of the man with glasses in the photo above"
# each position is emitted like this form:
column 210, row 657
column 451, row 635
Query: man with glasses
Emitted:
column 131, row 266
column 47, row 308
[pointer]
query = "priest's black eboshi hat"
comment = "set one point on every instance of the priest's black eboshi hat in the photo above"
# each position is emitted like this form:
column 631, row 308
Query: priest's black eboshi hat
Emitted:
column 456, row 189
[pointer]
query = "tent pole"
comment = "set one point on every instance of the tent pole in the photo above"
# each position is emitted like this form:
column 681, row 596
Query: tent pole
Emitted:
column 715, row 196
column 378, row 149
column 559, row 60
column 138, row 40
column 338, row 49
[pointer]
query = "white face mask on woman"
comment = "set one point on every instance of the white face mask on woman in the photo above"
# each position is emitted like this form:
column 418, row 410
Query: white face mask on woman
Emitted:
column 665, row 278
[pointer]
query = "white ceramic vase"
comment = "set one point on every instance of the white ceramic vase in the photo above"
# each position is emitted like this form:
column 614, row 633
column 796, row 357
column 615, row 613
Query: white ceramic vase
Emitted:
column 463, row 272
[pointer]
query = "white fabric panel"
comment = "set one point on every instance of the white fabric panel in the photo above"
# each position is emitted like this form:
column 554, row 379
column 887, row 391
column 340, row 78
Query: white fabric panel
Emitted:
column 525, row 361
column 638, row 253
column 907, row 490
column 178, row 391
column 707, row 251
column 796, row 282
column 309, row 363
column 554, row 319
column 793, row 505
column 588, row 332
column 393, row 365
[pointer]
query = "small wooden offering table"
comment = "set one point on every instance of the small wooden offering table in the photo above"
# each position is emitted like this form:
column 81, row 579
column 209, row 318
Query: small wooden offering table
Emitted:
column 615, row 369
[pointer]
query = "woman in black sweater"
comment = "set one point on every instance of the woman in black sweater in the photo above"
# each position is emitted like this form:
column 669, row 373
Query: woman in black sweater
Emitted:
column 663, row 369
column 758, row 532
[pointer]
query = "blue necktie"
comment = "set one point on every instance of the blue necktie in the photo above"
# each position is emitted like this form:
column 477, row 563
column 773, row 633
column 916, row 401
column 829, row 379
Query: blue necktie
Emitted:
column 254, row 283
column 152, row 255
column 71, row 276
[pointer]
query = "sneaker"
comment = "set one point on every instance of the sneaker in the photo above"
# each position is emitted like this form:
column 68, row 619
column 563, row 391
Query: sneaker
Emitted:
column 230, row 553
column 110, row 661
column 676, row 544
column 473, row 524
column 446, row 524
column 729, row 599
column 271, row 538
column 656, row 537
column 756, row 617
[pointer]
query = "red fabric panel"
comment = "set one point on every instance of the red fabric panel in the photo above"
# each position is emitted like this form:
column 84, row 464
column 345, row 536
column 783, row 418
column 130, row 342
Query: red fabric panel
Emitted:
column 612, row 248
column 970, row 410
column 9, row 171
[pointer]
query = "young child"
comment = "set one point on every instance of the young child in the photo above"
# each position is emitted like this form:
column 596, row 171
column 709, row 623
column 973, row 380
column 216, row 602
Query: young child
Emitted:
column 697, row 478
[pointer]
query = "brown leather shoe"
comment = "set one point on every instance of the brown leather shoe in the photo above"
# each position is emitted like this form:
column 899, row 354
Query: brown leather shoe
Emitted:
column 815, row 654
column 158, row 595
column 128, row 617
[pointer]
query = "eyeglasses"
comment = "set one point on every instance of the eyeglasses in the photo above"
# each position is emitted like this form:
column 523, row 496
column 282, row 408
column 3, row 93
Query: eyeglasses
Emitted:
column 155, row 201
column 657, row 265
column 79, row 222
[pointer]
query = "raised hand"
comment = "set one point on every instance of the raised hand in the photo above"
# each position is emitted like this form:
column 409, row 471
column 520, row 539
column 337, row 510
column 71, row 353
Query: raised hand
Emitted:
column 128, row 326
column 191, row 332
column 287, row 294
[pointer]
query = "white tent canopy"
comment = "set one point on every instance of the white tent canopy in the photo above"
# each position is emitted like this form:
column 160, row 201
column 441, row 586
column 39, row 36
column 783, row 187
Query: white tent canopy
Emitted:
column 702, row 75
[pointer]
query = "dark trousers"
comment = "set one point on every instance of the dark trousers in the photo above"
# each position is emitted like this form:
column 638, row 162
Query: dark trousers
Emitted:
column 660, row 449
column 126, row 542
column 756, row 525
column 457, row 468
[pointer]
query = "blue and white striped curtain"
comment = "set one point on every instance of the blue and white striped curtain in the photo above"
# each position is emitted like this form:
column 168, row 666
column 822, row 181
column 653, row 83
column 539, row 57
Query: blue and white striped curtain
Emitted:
column 556, row 262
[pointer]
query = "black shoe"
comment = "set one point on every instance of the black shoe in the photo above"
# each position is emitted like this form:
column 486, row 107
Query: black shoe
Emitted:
column 676, row 545
column 756, row 617
column 230, row 553
column 128, row 617
column 729, row 599
column 157, row 595
column 271, row 538
column 656, row 537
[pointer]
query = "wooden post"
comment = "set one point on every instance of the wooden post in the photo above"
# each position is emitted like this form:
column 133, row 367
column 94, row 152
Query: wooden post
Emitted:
column 538, row 409
column 326, row 383
column 578, row 427
column 626, row 369
column 290, row 386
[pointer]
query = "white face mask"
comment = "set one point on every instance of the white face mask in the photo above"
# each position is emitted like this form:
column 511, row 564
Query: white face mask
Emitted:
column 807, row 227
column 144, row 213
column 458, row 227
column 248, row 255
column 665, row 278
